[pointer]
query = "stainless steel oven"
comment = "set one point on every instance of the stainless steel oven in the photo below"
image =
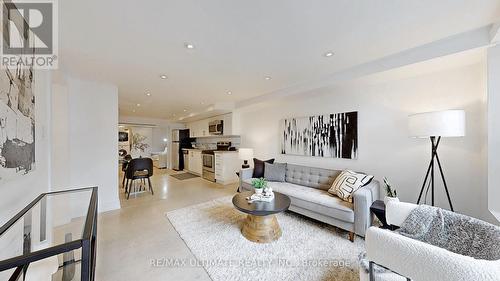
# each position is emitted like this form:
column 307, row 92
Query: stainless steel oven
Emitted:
column 208, row 161
column 216, row 127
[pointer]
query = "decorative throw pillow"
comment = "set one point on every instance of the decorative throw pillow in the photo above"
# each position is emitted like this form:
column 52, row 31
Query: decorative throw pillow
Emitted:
column 275, row 172
column 347, row 183
column 258, row 167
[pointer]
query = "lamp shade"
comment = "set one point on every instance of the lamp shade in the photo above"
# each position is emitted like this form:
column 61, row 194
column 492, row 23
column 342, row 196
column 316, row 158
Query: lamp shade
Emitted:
column 245, row 153
column 447, row 123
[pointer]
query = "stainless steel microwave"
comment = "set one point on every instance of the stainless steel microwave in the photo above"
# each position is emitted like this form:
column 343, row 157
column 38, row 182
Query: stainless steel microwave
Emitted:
column 216, row 127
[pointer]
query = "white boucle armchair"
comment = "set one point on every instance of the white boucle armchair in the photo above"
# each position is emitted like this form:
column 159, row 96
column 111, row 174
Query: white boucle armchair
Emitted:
column 420, row 261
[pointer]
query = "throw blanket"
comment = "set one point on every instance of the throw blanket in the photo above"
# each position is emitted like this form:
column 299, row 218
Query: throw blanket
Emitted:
column 455, row 232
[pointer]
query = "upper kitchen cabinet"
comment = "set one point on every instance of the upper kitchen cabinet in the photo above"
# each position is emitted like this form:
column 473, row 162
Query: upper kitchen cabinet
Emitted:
column 198, row 128
column 201, row 128
column 191, row 128
column 228, row 124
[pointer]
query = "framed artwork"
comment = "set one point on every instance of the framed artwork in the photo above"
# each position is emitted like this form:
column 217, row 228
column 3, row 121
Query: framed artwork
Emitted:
column 17, row 118
column 330, row 135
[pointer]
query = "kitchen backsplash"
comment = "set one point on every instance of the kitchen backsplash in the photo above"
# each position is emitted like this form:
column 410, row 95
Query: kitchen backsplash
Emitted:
column 211, row 143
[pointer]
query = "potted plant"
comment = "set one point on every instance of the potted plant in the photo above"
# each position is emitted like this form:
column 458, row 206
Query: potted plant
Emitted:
column 390, row 192
column 259, row 185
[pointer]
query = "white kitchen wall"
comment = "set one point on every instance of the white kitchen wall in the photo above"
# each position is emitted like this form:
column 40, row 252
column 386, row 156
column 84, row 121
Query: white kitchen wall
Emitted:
column 384, row 146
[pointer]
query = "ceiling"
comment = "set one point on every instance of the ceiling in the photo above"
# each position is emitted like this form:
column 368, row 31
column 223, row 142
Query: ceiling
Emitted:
column 238, row 43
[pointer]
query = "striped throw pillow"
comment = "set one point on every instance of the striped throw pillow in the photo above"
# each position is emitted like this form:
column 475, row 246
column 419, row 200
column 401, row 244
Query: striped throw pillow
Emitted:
column 347, row 183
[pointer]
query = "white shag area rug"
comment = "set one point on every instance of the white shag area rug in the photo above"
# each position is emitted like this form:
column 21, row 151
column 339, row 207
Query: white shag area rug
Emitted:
column 307, row 250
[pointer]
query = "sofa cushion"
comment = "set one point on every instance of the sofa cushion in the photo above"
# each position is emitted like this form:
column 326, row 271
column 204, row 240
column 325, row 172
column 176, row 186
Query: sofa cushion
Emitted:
column 315, row 200
column 275, row 172
column 258, row 167
column 309, row 176
column 347, row 183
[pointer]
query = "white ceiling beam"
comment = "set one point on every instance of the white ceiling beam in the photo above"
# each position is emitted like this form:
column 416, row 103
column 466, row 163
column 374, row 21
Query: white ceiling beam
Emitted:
column 473, row 39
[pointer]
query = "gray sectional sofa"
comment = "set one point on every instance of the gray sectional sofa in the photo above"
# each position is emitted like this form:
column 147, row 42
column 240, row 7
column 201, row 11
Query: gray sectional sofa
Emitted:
column 307, row 188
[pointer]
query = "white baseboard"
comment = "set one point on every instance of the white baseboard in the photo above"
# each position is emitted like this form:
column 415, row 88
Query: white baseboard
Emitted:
column 109, row 206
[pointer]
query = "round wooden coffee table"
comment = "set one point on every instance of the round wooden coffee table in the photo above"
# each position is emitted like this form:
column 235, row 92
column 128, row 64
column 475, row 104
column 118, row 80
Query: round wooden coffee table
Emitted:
column 261, row 224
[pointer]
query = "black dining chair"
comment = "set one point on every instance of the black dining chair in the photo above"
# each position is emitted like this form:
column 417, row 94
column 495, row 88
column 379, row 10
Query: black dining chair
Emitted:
column 125, row 162
column 138, row 169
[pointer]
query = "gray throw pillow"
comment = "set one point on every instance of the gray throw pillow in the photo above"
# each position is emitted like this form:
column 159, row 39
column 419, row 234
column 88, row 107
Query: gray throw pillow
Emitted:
column 275, row 172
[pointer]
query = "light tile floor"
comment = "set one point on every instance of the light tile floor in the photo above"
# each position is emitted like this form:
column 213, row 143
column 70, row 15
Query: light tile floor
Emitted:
column 130, row 237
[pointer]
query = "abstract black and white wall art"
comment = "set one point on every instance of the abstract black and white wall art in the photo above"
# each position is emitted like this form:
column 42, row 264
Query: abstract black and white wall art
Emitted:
column 17, row 122
column 332, row 135
column 17, row 114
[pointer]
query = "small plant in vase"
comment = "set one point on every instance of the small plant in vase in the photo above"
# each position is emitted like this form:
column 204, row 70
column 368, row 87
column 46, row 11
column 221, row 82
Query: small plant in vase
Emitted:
column 389, row 191
column 259, row 185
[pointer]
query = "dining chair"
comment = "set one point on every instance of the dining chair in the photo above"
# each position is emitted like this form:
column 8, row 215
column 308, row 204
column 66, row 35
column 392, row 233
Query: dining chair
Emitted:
column 126, row 160
column 138, row 169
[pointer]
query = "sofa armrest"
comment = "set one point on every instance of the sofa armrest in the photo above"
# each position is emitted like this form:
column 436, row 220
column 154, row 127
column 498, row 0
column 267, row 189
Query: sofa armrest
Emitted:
column 363, row 199
column 246, row 173
column 422, row 262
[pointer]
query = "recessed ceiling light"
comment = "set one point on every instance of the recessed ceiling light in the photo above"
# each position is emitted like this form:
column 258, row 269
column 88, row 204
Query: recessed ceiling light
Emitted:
column 148, row 94
column 133, row 110
column 229, row 92
column 185, row 110
column 268, row 78
column 163, row 76
column 138, row 105
column 328, row 54
column 189, row 46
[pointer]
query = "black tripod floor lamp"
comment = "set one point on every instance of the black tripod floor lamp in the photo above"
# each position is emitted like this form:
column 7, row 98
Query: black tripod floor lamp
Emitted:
column 436, row 125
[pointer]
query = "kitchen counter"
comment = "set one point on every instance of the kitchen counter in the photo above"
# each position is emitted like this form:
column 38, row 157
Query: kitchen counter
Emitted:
column 227, row 163
column 226, row 151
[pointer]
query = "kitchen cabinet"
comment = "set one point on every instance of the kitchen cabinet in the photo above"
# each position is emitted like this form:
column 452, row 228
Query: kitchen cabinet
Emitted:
column 228, row 124
column 200, row 128
column 203, row 128
column 190, row 126
column 227, row 164
column 192, row 129
column 195, row 162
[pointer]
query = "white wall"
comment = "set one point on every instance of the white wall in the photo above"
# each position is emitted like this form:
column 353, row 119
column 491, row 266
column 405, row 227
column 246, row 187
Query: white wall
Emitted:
column 384, row 146
column 16, row 193
column 494, row 130
column 93, row 138
column 85, row 132
column 60, row 150
column 163, row 129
